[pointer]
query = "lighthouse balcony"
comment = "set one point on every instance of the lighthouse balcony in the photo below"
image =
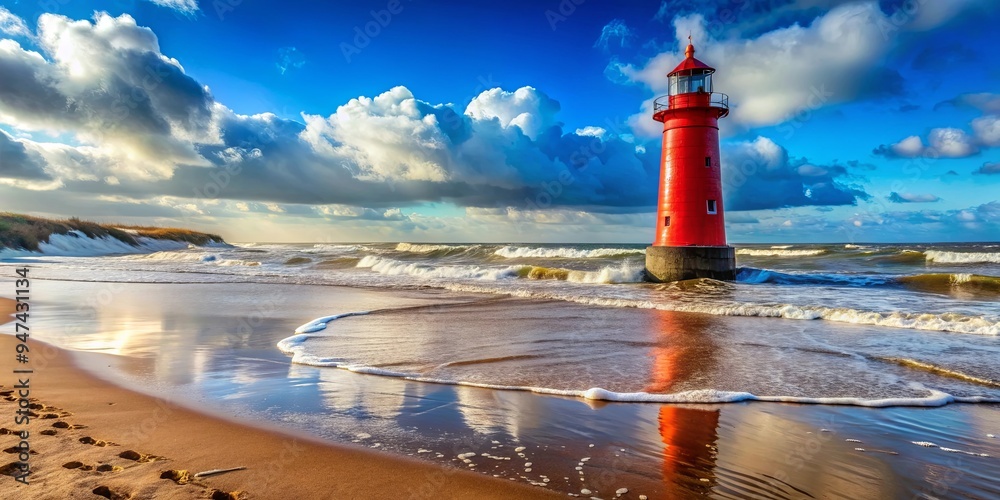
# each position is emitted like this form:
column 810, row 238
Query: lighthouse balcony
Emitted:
column 716, row 100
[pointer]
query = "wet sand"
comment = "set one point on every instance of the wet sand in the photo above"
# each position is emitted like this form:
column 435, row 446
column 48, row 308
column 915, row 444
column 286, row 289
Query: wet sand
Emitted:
column 102, row 438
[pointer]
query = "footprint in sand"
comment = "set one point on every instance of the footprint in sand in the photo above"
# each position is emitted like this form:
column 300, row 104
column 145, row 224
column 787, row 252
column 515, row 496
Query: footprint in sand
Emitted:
column 100, row 468
column 96, row 442
column 228, row 495
column 11, row 469
column 138, row 457
column 48, row 432
column 177, row 476
column 65, row 425
column 106, row 492
column 15, row 450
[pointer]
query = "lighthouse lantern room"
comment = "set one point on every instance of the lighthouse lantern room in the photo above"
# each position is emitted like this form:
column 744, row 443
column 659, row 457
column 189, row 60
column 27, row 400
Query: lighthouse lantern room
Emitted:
column 690, row 237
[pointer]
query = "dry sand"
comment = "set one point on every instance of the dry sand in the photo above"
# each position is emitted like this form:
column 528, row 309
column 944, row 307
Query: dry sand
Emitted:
column 104, row 439
column 6, row 309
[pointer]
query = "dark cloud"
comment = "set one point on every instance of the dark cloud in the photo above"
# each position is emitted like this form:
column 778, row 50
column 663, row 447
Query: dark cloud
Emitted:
column 986, row 102
column 988, row 169
column 26, row 88
column 17, row 162
column 860, row 165
column 912, row 198
column 760, row 175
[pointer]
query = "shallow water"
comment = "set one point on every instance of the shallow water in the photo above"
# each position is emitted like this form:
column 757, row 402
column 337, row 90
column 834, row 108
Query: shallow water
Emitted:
column 875, row 324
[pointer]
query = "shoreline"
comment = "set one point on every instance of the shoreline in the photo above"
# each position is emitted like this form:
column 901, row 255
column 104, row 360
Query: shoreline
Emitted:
column 116, row 420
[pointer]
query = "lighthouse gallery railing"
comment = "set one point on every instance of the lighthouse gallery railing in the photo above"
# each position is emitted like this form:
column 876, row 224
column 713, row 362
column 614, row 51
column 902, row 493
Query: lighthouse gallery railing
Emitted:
column 692, row 99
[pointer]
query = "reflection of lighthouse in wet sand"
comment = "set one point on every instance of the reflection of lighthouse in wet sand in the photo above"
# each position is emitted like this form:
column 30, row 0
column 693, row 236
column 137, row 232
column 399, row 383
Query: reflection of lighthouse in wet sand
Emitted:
column 690, row 229
column 685, row 350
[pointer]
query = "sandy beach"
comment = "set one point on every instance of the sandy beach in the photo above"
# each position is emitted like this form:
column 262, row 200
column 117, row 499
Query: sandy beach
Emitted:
column 92, row 437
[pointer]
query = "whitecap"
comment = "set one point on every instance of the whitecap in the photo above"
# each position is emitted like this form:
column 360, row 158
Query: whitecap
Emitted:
column 943, row 257
column 514, row 252
column 778, row 252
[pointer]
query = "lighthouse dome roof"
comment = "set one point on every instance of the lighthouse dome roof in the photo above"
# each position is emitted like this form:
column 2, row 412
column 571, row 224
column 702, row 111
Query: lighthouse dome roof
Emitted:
column 690, row 65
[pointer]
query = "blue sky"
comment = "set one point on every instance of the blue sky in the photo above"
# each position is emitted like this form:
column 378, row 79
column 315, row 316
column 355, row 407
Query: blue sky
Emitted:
column 459, row 121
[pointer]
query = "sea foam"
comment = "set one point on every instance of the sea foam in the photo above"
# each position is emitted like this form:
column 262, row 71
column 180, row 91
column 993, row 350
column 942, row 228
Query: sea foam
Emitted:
column 943, row 257
column 514, row 252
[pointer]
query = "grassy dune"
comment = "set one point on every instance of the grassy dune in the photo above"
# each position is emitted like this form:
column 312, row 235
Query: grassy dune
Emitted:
column 24, row 232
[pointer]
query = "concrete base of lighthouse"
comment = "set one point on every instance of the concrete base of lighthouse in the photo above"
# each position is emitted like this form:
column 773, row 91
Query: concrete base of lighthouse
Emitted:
column 665, row 264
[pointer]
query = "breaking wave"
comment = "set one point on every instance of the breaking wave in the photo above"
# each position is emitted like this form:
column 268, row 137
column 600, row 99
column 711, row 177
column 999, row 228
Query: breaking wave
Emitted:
column 943, row 257
column 205, row 258
column 624, row 273
column 779, row 252
column 392, row 267
column 439, row 249
column 513, row 252
column 943, row 322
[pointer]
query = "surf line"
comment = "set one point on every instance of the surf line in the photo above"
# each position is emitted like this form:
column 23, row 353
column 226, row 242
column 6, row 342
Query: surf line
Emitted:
column 294, row 345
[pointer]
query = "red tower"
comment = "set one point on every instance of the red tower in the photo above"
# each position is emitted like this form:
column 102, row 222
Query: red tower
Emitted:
column 690, row 227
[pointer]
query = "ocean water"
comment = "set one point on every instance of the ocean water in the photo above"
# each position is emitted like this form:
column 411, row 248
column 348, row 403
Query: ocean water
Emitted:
column 856, row 324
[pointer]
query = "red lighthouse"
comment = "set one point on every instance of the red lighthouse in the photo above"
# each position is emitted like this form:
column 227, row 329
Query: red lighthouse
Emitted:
column 690, row 228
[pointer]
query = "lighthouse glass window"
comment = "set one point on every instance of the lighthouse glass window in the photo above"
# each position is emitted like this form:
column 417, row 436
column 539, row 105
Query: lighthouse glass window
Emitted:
column 684, row 84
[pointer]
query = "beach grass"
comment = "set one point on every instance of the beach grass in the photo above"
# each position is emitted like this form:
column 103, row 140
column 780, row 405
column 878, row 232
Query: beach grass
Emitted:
column 25, row 232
